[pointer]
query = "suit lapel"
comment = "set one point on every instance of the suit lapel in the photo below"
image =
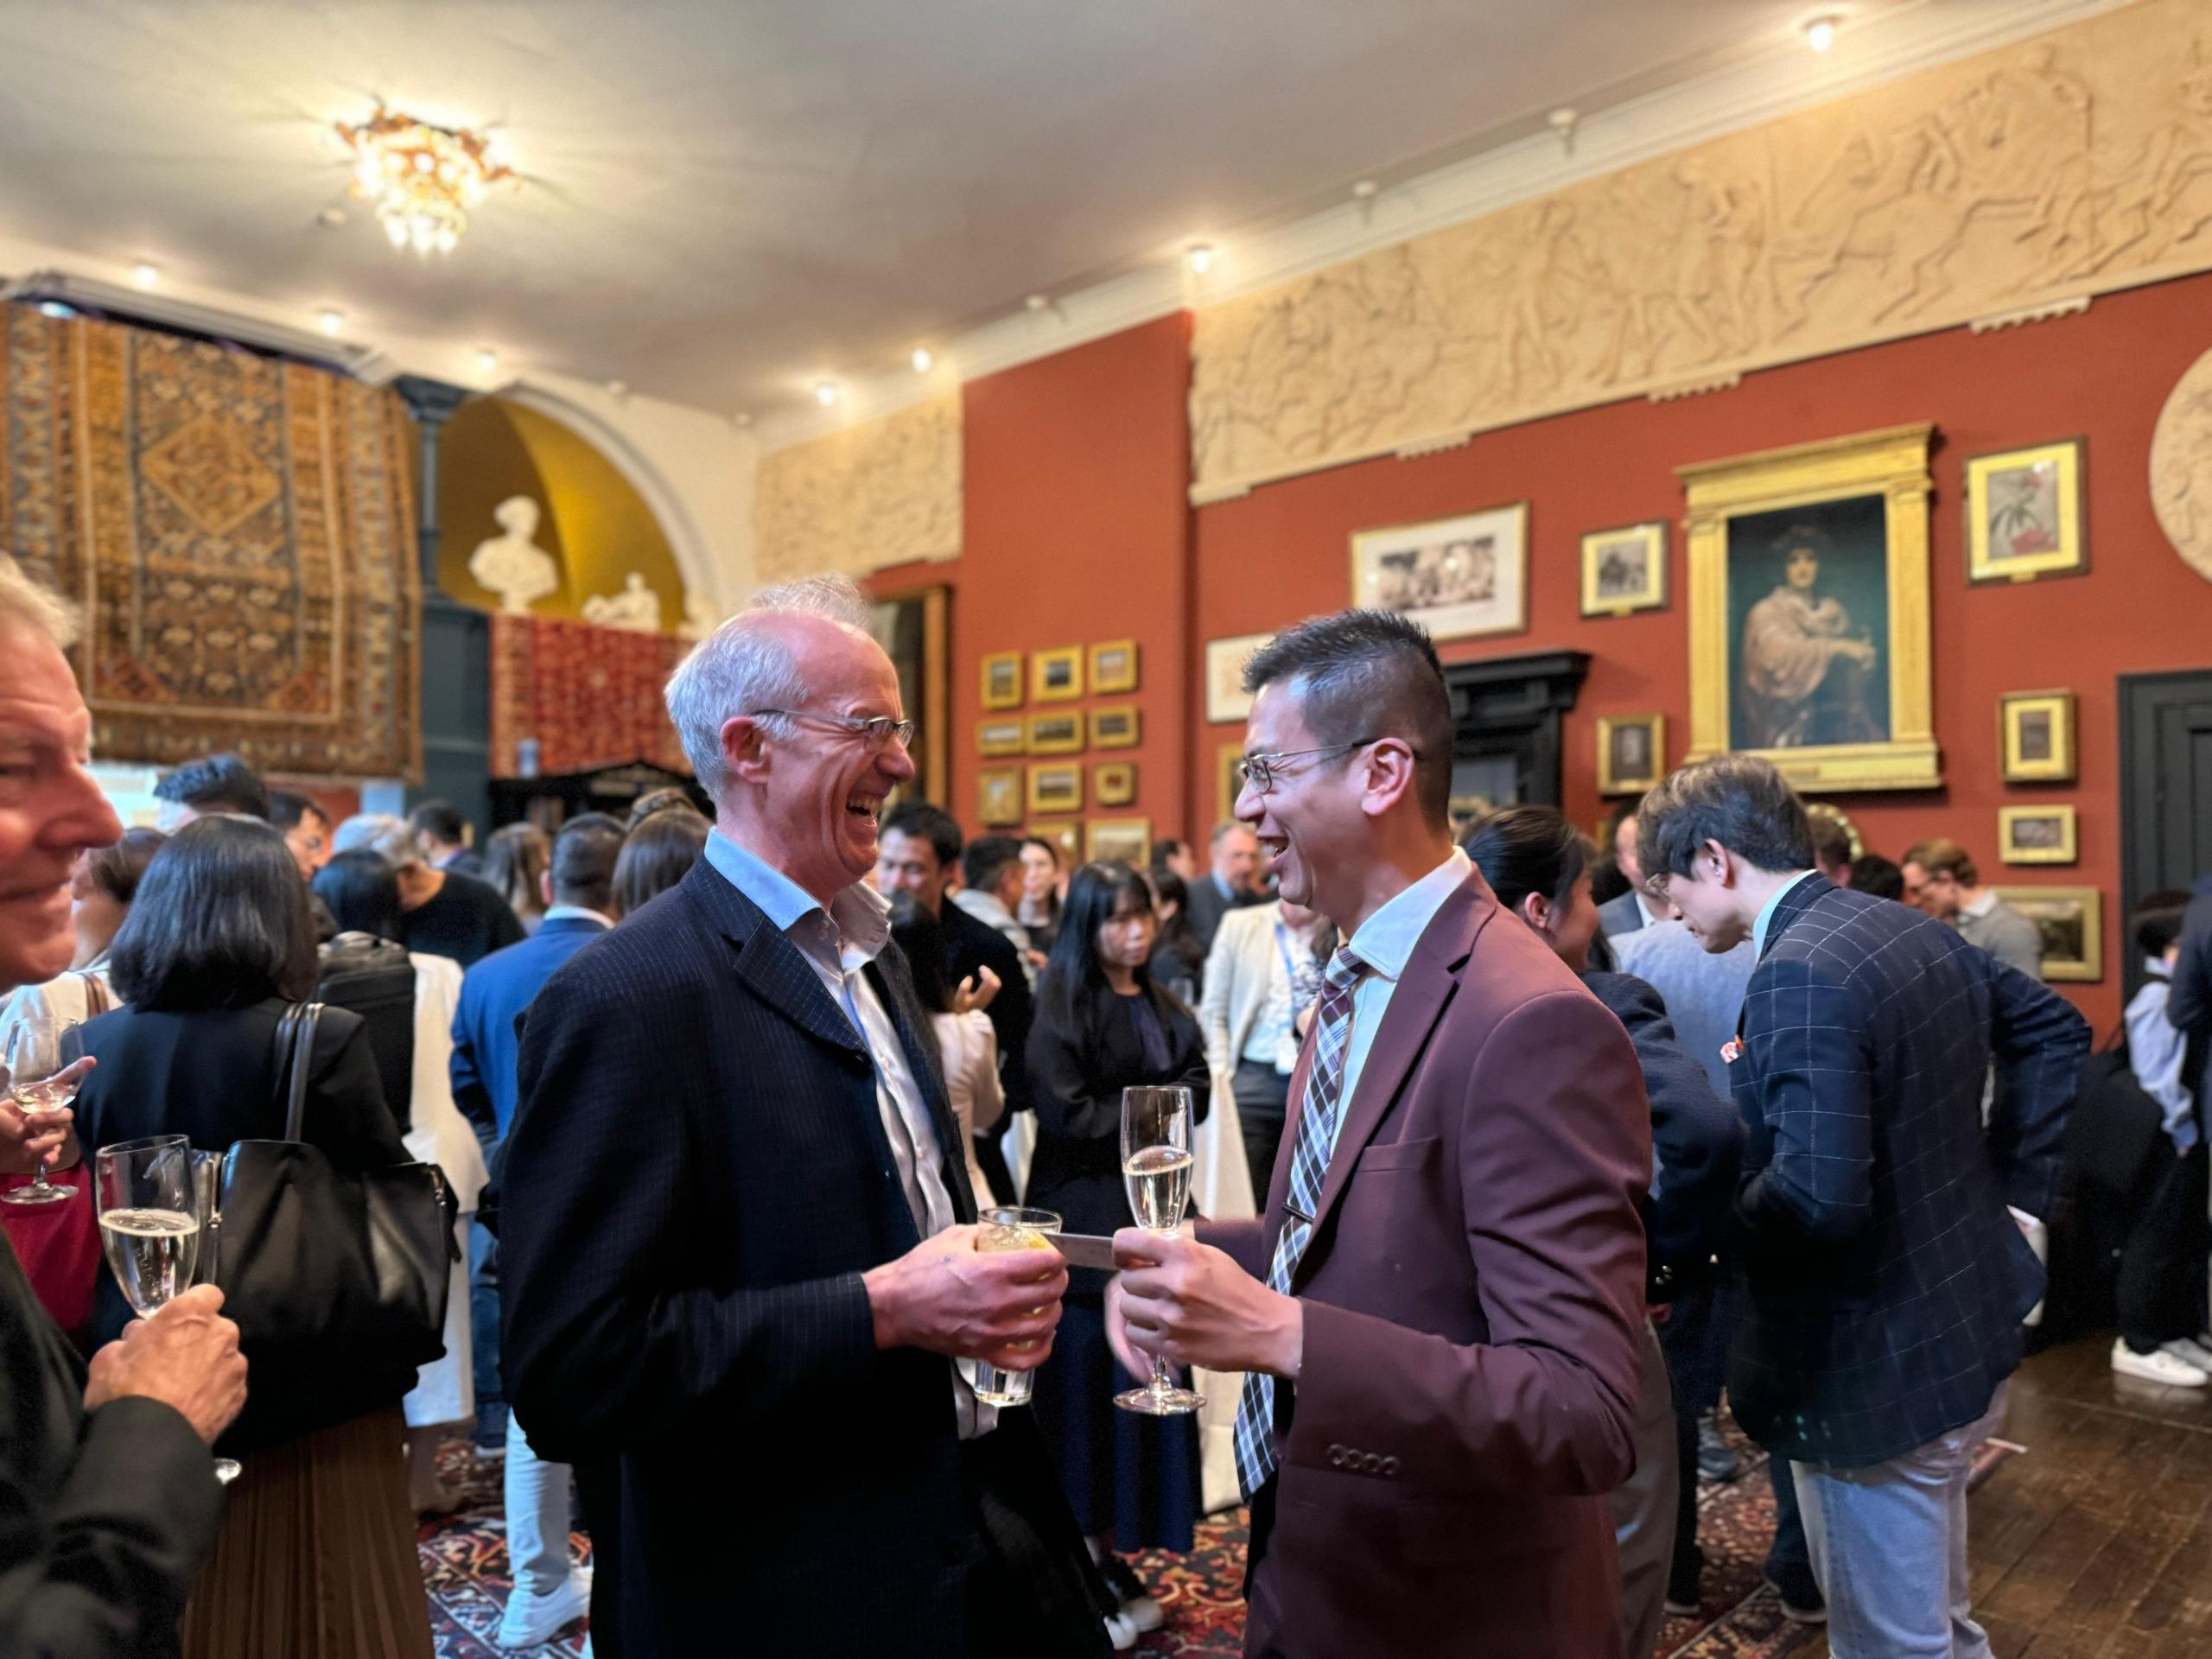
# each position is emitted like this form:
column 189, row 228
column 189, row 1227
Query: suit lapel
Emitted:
column 769, row 964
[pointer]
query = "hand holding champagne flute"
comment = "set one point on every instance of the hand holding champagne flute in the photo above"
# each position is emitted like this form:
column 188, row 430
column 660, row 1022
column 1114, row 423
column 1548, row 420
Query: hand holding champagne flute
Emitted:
column 43, row 1057
column 1156, row 1163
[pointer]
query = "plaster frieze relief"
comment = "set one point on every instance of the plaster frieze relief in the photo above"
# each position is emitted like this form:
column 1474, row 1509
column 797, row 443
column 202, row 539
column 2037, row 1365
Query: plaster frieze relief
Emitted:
column 884, row 493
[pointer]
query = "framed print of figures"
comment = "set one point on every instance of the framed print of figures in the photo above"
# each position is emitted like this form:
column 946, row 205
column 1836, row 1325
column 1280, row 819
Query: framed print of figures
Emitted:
column 998, row 795
column 1226, row 698
column 2071, row 921
column 1809, row 611
column 1624, row 570
column 1127, row 839
column 1056, row 733
column 1114, row 783
column 1631, row 753
column 2024, row 514
column 1460, row 578
column 2035, row 834
column 1055, row 676
column 2035, row 734
column 1002, row 680
column 1055, row 789
column 1002, row 737
column 1115, row 728
column 1113, row 667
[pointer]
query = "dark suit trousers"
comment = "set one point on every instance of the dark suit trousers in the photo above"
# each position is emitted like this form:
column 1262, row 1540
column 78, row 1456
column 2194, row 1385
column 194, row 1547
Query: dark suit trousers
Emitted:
column 2162, row 1265
column 1262, row 1100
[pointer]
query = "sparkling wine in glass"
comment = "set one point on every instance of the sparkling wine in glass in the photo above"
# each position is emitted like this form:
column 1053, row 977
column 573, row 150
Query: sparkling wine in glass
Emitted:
column 39, row 1047
column 1006, row 1228
column 149, row 1225
column 1156, row 1165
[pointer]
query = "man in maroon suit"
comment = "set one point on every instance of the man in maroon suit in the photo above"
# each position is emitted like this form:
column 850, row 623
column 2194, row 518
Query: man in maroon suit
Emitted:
column 1439, row 1311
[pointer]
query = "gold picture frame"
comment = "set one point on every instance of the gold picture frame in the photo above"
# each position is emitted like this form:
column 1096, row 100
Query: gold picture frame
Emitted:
column 1057, row 787
column 1113, row 667
column 2038, row 834
column 1127, row 839
column 1227, row 700
column 1461, row 578
column 996, row 738
column 2025, row 514
column 1001, row 680
column 1852, row 712
column 1056, row 733
column 2071, row 921
column 1228, row 778
column 1624, row 570
column 1631, row 753
column 1115, row 728
column 1838, row 816
column 2035, row 737
column 1067, row 836
column 1055, row 676
column 998, row 796
column 1114, row 783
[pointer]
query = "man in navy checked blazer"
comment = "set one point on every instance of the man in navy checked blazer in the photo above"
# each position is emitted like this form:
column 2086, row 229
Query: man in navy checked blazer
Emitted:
column 741, row 1290
column 1887, row 1278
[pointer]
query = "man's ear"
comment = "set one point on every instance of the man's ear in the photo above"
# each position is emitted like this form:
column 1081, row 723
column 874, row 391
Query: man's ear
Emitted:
column 545, row 888
column 1389, row 775
column 1720, row 862
column 743, row 752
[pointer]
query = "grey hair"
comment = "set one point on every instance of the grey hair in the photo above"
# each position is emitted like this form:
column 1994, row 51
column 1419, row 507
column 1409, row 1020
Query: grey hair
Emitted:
column 741, row 667
column 35, row 603
column 388, row 837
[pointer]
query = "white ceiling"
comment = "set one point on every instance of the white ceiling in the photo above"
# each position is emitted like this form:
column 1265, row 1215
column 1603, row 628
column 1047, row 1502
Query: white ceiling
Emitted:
column 726, row 199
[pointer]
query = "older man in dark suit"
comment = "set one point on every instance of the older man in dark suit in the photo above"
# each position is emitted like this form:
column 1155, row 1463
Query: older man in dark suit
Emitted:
column 1887, row 1279
column 1231, row 884
column 738, row 1258
column 1442, row 1310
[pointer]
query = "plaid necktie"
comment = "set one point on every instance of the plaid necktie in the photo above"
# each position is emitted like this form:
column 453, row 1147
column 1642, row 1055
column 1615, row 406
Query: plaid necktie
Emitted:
column 1309, row 1163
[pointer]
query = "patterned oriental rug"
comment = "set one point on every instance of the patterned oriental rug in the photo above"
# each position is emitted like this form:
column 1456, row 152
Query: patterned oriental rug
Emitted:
column 239, row 532
column 465, row 1565
column 590, row 697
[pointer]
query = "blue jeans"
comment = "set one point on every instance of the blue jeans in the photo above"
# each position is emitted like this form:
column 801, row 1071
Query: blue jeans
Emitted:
column 1889, row 1546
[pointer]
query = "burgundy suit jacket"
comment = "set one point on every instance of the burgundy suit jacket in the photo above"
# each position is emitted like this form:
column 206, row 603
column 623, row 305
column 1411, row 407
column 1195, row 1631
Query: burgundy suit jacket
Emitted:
column 1473, row 1298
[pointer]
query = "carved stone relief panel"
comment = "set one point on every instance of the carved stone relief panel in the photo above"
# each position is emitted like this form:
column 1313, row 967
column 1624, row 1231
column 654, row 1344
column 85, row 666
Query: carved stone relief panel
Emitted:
column 2181, row 467
column 880, row 493
column 2075, row 163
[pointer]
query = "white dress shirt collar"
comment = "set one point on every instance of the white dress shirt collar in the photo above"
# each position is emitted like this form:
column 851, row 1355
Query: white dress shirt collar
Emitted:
column 862, row 914
column 578, row 913
column 1385, row 940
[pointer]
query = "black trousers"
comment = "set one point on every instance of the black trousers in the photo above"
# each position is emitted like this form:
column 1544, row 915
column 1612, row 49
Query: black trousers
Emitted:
column 1263, row 1098
column 1036, row 1591
column 2161, row 1289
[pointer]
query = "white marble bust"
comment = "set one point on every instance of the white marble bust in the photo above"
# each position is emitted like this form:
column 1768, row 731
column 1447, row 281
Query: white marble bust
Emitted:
column 513, row 565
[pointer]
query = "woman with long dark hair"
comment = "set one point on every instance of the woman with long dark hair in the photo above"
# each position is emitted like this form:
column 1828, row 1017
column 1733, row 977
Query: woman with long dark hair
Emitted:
column 658, row 853
column 1103, row 1025
column 515, row 862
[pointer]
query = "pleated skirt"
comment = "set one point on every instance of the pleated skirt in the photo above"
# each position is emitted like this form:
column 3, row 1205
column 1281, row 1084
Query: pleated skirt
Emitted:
column 317, row 1556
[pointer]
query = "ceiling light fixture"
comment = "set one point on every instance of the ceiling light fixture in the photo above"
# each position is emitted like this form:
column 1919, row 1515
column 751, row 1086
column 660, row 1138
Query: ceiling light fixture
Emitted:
column 1036, row 303
column 423, row 179
column 332, row 320
column 923, row 359
column 825, row 392
column 145, row 274
column 487, row 360
column 1363, row 189
column 1201, row 258
column 1820, row 33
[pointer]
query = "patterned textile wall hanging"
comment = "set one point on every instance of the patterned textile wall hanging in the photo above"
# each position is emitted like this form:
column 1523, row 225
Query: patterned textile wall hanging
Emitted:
column 590, row 697
column 239, row 533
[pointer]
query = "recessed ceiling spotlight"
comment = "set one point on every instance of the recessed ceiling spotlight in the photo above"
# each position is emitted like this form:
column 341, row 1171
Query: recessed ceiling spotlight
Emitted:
column 487, row 360
column 740, row 420
column 1820, row 33
column 331, row 217
column 923, row 359
column 1564, row 118
column 145, row 274
column 825, row 392
column 618, row 389
column 1201, row 258
column 1036, row 303
column 1363, row 190
column 331, row 320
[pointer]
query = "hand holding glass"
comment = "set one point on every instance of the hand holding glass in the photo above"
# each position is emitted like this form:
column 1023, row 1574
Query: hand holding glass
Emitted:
column 1156, row 1165
column 1009, row 1228
column 40, row 1048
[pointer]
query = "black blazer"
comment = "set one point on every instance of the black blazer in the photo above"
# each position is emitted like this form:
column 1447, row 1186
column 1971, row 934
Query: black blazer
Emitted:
column 697, row 1176
column 1206, row 909
column 1082, row 1054
column 1887, row 1281
column 970, row 945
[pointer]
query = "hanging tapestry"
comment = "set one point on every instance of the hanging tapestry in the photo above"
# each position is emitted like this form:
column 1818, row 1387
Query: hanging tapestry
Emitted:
column 590, row 697
column 238, row 531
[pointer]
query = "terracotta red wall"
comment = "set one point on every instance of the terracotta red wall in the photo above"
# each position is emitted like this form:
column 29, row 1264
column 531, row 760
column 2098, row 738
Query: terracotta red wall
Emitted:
column 1283, row 552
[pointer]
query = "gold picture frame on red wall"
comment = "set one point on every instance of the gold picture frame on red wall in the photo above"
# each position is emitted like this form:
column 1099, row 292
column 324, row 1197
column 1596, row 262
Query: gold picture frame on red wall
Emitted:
column 998, row 796
column 1055, row 676
column 1115, row 728
column 1113, row 667
column 1001, row 680
column 1114, row 783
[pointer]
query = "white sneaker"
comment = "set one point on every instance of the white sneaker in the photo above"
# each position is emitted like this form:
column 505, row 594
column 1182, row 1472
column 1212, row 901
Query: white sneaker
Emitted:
column 2159, row 1367
column 533, row 1618
column 2191, row 1351
column 1121, row 1633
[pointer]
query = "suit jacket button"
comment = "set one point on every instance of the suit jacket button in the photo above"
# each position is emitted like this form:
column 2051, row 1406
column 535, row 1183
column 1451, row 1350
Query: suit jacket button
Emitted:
column 1335, row 1457
column 1374, row 1465
column 1389, row 1465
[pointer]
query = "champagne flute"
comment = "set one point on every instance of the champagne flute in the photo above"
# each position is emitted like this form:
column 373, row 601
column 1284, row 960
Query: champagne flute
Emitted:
column 40, row 1048
column 1156, row 1163
column 1008, row 1228
column 149, row 1225
column 206, row 1179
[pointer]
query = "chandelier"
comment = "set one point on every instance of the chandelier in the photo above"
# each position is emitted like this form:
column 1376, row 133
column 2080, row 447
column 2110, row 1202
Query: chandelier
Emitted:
column 423, row 178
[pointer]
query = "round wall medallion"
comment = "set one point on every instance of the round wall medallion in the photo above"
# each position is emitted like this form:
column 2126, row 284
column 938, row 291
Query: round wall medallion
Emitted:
column 2181, row 467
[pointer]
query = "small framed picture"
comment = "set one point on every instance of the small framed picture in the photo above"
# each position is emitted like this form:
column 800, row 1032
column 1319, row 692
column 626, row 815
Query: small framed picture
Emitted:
column 2071, row 921
column 1624, row 570
column 2035, row 734
column 1066, row 835
column 1057, row 675
column 1113, row 667
column 1227, row 700
column 1002, row 737
column 1460, row 578
column 2035, row 834
column 1114, row 783
column 2024, row 514
column 1056, row 733
column 998, row 795
column 1631, row 753
column 1115, row 728
column 1055, row 789
column 1127, row 839
column 1228, row 769
column 1002, row 680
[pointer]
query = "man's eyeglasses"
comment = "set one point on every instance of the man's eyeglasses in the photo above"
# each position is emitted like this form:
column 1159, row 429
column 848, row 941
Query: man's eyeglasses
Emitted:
column 875, row 730
column 1259, row 770
column 1655, row 886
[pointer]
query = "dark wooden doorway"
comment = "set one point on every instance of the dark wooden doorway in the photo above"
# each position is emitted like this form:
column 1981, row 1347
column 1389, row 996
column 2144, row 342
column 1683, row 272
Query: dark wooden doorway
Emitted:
column 2166, row 791
column 1506, row 720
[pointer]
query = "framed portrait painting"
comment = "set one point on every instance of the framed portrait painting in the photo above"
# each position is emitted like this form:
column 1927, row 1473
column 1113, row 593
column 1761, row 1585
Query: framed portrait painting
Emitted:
column 1631, row 753
column 2071, row 921
column 1227, row 700
column 1114, row 783
column 1114, row 667
column 2035, row 735
column 1809, row 636
column 2035, row 834
column 1002, row 680
column 2024, row 514
column 1055, row 676
column 1624, row 570
column 998, row 795
column 1460, row 578
column 1055, row 789
column 1127, row 839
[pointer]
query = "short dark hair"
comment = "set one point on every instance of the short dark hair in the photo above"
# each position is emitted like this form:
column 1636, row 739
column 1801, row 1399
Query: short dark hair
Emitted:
column 1879, row 877
column 1364, row 674
column 1740, row 801
column 118, row 870
column 1831, row 843
column 362, row 890
column 1165, row 848
column 221, row 783
column 983, row 860
column 585, row 855
column 655, row 856
column 927, row 820
column 2157, row 920
column 1525, row 849
column 1941, row 856
column 221, row 921
column 670, row 799
column 287, row 807
column 440, row 821
column 920, row 938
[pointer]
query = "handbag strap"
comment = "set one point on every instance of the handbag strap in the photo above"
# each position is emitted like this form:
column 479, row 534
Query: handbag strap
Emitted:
column 295, row 1047
column 97, row 999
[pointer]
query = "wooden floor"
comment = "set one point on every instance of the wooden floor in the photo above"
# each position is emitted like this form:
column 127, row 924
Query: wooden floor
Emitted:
column 2099, row 1541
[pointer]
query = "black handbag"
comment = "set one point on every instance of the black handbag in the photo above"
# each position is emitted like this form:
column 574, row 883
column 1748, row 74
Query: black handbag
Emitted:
column 2113, row 1126
column 338, row 1278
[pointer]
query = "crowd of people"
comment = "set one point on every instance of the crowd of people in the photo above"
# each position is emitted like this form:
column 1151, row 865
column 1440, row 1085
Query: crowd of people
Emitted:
column 1550, row 1146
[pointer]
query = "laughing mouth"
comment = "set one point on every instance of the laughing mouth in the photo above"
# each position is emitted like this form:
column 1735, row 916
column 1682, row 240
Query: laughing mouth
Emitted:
column 867, row 808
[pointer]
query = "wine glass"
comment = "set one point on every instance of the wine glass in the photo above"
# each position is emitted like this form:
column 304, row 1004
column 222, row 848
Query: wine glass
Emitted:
column 1156, row 1163
column 206, row 1187
column 150, row 1226
column 39, row 1047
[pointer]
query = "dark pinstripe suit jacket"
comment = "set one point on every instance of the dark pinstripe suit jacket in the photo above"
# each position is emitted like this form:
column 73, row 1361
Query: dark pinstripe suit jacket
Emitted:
column 697, row 1176
column 1887, row 1281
